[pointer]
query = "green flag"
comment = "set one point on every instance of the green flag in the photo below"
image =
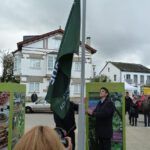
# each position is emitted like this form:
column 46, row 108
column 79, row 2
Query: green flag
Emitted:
column 58, row 90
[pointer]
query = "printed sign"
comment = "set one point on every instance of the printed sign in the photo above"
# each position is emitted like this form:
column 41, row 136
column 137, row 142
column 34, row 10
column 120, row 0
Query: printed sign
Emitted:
column 12, row 114
column 117, row 97
column 4, row 119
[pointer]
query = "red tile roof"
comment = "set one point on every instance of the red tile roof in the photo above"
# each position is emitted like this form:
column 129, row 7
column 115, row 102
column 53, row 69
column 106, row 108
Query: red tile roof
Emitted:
column 20, row 44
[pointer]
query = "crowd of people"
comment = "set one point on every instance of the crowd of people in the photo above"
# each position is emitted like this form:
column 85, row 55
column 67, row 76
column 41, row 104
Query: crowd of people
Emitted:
column 132, row 108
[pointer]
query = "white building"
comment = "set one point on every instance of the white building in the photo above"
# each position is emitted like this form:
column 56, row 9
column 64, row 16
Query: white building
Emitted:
column 134, row 74
column 34, row 61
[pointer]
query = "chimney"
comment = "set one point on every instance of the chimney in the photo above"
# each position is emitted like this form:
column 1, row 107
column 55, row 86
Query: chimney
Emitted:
column 59, row 27
column 88, row 40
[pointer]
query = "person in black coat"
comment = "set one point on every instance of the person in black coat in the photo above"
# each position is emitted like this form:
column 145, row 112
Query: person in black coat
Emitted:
column 68, row 123
column 145, row 107
column 128, row 102
column 103, row 114
column 134, row 111
column 34, row 97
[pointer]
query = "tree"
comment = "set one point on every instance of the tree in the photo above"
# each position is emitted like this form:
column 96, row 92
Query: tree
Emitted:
column 7, row 61
column 104, row 78
column 95, row 79
column 101, row 78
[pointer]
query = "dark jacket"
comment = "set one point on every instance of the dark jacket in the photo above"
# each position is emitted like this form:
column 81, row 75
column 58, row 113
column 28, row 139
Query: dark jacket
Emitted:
column 145, row 106
column 128, row 102
column 134, row 109
column 68, row 123
column 34, row 97
column 103, row 114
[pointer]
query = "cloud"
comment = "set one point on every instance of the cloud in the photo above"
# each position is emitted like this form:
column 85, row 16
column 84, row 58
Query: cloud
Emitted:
column 120, row 30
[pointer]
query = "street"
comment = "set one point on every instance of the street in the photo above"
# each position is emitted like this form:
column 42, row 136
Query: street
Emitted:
column 137, row 138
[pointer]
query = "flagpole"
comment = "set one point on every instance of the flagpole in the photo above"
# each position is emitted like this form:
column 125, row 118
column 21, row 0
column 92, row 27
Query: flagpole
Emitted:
column 81, row 119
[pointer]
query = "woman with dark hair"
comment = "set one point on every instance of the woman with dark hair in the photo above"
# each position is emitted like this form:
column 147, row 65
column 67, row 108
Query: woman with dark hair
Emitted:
column 134, row 111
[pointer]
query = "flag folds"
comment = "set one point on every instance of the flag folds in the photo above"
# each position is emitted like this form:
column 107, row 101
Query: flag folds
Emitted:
column 58, row 90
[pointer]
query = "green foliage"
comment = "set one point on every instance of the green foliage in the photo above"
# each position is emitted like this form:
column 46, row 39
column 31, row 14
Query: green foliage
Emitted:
column 104, row 78
column 101, row 78
column 7, row 61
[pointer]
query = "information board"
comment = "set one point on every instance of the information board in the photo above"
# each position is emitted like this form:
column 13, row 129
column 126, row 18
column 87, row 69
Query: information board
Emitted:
column 117, row 97
column 12, row 114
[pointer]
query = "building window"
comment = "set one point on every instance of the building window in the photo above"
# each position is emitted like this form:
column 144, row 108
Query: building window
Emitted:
column 77, row 88
column 128, row 76
column 135, row 79
column 148, row 77
column 148, row 80
column 35, row 63
column 141, row 79
column 17, row 64
column 34, row 87
column 51, row 62
column 77, row 66
column 115, row 77
column 57, row 43
column 108, row 69
column 128, row 79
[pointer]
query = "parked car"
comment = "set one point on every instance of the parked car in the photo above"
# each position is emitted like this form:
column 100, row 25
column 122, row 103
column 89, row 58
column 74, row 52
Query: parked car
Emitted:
column 40, row 105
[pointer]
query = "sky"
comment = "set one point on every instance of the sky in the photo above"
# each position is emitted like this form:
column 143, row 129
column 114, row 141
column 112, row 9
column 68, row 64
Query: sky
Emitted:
column 119, row 29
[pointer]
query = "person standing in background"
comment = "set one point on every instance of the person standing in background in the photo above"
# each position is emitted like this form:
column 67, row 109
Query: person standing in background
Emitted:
column 145, row 106
column 128, row 102
column 34, row 97
column 134, row 111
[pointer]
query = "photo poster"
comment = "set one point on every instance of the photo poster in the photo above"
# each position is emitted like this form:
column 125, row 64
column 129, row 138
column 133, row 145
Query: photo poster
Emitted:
column 18, row 117
column 117, row 94
column 12, row 97
column 4, row 119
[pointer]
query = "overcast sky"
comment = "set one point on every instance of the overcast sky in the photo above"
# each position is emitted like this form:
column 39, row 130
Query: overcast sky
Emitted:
column 119, row 29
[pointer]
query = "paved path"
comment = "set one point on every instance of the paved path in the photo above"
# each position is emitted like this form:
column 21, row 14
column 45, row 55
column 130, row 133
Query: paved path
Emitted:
column 34, row 119
column 137, row 138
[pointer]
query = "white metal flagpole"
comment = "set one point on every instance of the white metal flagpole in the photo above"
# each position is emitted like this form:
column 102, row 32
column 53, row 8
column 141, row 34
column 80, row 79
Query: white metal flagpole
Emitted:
column 81, row 119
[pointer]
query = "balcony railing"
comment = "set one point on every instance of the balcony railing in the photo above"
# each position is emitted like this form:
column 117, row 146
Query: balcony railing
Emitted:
column 130, row 81
column 147, row 81
column 135, row 81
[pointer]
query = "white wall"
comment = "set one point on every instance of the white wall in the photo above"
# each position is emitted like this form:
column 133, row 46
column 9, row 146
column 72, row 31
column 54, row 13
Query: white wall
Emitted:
column 112, row 71
column 28, row 70
column 51, row 43
column 38, row 44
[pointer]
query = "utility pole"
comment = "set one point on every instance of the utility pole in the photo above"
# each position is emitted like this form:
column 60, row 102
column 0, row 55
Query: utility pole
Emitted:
column 81, row 119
